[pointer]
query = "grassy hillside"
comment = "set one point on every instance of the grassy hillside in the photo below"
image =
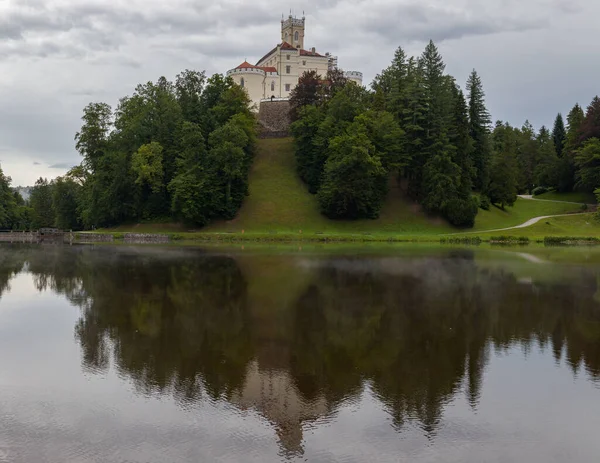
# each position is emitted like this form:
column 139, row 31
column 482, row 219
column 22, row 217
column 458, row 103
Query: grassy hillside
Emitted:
column 279, row 202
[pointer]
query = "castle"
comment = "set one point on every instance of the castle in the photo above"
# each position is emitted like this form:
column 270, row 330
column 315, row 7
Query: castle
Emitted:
column 276, row 74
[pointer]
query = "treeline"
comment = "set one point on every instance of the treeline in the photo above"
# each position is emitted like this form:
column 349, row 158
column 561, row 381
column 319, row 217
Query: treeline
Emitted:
column 172, row 151
column 416, row 123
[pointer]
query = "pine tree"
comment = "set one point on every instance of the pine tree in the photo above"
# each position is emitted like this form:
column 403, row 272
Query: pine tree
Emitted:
column 559, row 135
column 574, row 122
column 480, row 121
column 502, row 189
column 545, row 164
column 590, row 128
column 434, row 96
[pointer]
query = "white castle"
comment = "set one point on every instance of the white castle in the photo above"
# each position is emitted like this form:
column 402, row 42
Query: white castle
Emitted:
column 276, row 74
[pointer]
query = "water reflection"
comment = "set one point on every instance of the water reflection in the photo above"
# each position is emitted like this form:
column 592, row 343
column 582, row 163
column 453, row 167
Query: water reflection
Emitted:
column 295, row 337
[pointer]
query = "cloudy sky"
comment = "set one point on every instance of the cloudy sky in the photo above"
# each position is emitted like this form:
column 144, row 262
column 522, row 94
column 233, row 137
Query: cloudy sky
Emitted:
column 536, row 57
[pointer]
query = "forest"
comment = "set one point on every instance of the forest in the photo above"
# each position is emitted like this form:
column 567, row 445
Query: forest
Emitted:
column 172, row 151
column 181, row 151
column 417, row 124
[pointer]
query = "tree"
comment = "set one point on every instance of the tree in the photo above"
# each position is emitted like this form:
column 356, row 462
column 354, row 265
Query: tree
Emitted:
column 92, row 139
column 574, row 121
column 8, row 203
column 559, row 135
column 590, row 127
column 354, row 181
column 387, row 138
column 546, row 162
column 479, row 119
column 146, row 164
column 191, row 190
column 65, row 199
column 502, row 189
column 307, row 92
column 189, row 86
column 587, row 160
column 42, row 205
column 228, row 164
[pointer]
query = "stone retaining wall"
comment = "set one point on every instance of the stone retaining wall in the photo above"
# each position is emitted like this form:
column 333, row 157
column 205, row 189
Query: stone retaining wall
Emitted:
column 146, row 238
column 19, row 237
column 274, row 119
column 93, row 238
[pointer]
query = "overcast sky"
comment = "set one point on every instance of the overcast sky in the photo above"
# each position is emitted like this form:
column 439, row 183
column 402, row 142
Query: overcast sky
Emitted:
column 536, row 57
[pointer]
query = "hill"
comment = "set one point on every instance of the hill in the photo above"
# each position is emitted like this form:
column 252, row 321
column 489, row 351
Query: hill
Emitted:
column 280, row 203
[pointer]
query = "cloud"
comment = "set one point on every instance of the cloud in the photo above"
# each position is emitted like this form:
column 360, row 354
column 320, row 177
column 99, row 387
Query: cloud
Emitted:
column 58, row 55
column 37, row 163
column 61, row 165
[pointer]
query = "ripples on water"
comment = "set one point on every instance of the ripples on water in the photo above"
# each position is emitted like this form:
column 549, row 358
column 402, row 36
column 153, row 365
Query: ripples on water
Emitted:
column 144, row 354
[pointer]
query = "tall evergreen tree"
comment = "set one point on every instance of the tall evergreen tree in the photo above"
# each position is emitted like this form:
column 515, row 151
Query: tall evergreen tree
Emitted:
column 503, row 172
column 574, row 121
column 545, row 165
column 590, row 127
column 479, row 119
column 559, row 135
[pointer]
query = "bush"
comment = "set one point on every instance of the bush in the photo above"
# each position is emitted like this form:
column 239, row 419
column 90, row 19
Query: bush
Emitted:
column 461, row 212
column 540, row 190
column 485, row 203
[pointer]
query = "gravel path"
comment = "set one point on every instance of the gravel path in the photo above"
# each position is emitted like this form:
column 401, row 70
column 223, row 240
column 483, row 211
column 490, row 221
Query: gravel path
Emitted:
column 530, row 221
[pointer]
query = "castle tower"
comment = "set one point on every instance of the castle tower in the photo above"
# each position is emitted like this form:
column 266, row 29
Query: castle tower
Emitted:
column 292, row 31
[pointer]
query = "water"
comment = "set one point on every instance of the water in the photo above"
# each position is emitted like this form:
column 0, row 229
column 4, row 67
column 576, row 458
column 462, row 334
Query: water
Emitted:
column 398, row 354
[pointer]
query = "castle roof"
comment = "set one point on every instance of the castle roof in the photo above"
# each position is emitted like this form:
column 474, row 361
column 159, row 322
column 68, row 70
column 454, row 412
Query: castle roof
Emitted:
column 287, row 46
column 247, row 65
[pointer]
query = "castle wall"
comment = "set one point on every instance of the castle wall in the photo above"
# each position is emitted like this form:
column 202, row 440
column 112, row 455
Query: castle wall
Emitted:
column 254, row 84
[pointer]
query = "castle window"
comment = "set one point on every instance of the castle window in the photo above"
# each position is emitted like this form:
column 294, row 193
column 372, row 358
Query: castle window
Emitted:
column 304, row 63
column 287, row 87
column 242, row 82
column 296, row 36
column 287, row 57
column 288, row 69
column 273, row 86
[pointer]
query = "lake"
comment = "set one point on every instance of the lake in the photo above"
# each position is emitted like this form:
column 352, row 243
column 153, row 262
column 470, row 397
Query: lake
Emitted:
column 299, row 353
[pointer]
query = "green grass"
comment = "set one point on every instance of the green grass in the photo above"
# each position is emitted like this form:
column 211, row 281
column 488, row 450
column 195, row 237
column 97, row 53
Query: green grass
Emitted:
column 279, row 208
column 279, row 202
column 582, row 225
column 521, row 212
column 574, row 196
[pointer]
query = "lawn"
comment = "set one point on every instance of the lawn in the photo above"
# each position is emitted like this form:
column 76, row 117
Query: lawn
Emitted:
column 521, row 212
column 581, row 225
column 280, row 202
column 573, row 196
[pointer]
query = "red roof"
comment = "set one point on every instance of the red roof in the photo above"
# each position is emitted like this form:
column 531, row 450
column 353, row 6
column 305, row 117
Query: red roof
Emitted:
column 310, row 53
column 286, row 46
column 246, row 65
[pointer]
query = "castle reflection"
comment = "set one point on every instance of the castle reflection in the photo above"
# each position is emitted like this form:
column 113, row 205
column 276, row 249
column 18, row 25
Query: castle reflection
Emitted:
column 294, row 336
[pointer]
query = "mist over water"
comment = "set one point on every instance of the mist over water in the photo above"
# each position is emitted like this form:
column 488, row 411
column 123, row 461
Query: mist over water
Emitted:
column 146, row 354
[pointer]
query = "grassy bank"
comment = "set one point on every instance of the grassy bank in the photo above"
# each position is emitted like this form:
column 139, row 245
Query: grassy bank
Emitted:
column 279, row 208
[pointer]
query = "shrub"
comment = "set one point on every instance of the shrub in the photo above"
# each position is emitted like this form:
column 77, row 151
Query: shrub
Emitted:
column 540, row 190
column 485, row 203
column 462, row 212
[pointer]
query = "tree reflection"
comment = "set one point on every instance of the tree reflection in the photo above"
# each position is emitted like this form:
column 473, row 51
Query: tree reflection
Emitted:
column 294, row 341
